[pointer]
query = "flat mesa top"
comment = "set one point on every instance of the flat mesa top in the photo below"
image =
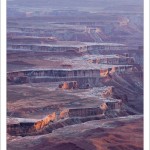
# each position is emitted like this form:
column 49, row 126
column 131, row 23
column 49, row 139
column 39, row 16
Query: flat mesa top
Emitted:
column 111, row 100
column 19, row 120
column 103, row 56
column 91, row 67
column 73, row 44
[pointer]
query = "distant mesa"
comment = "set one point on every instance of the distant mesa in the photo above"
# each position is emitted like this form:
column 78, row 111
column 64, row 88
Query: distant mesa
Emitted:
column 30, row 39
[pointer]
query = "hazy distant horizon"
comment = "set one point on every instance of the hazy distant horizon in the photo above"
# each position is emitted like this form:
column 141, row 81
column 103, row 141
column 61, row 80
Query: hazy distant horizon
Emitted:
column 85, row 5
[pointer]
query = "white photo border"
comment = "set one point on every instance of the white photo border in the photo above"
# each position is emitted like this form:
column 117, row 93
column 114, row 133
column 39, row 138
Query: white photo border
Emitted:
column 3, row 75
column 146, row 75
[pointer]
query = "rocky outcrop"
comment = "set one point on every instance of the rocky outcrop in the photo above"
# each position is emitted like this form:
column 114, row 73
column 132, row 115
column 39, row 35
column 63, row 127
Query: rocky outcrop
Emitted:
column 42, row 123
column 25, row 128
column 111, row 92
column 63, row 114
column 69, row 85
column 84, row 112
column 66, row 117
column 20, row 129
column 108, row 92
column 103, row 107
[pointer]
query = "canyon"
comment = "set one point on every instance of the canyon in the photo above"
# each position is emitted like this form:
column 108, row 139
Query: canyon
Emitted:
column 75, row 75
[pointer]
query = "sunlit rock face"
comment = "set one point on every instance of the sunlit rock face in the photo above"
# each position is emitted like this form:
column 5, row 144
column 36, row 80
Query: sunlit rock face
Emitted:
column 44, row 122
